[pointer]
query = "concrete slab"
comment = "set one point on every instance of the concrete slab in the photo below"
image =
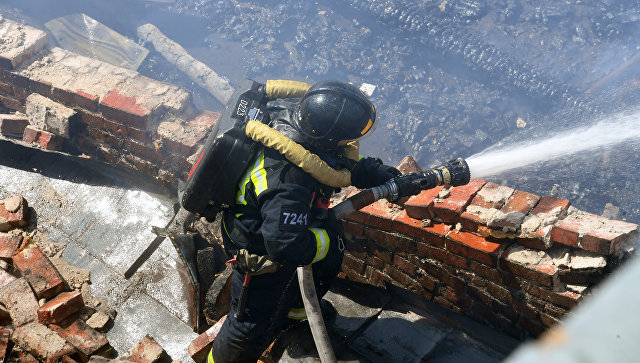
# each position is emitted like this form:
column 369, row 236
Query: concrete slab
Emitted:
column 362, row 304
column 398, row 337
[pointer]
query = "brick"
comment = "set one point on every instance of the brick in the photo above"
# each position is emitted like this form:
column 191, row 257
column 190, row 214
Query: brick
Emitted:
column 13, row 125
column 608, row 238
column 115, row 129
column 105, row 138
column 44, row 139
column 421, row 206
column 404, row 265
column 353, row 263
column 376, row 215
column 48, row 115
column 532, row 265
column 87, row 101
column 478, row 248
column 14, row 212
column 42, row 275
column 433, row 234
column 500, row 293
column 139, row 164
column 84, row 339
column 375, row 277
column 146, row 350
column 146, row 152
column 427, row 282
column 6, row 89
column 5, row 336
column 408, row 165
column 99, row 321
column 12, row 103
column 184, row 138
column 454, row 282
column 60, row 307
column 592, row 233
column 141, row 135
column 126, row 109
column 20, row 300
column 41, row 87
column 21, row 43
column 373, row 261
column 353, row 229
column 489, row 272
column 42, row 342
column 199, row 348
column 566, row 299
column 21, row 93
column 447, row 257
column 512, row 214
column 536, row 227
column 16, row 80
column 396, row 241
column 405, row 281
column 548, row 320
column 484, row 206
column 523, row 308
column 92, row 119
column 449, row 208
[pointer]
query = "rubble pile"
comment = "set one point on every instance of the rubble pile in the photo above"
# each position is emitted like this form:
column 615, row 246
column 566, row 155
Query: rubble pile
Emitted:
column 47, row 312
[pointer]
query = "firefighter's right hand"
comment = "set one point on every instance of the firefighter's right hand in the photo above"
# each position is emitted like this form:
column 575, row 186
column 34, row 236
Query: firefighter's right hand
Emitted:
column 371, row 172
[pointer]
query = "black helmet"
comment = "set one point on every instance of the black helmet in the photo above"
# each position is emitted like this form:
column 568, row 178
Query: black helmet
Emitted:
column 332, row 111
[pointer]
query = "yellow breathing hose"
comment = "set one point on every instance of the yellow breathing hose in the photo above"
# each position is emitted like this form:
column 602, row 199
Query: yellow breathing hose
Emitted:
column 298, row 155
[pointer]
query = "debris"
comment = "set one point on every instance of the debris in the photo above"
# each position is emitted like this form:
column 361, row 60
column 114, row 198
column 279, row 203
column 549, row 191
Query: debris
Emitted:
column 520, row 123
column 196, row 70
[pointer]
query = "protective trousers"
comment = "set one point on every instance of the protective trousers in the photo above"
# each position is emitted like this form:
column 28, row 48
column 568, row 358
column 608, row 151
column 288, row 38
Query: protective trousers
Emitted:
column 270, row 298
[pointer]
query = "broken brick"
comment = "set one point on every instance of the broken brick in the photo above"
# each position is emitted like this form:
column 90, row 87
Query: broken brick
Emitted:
column 532, row 265
column 512, row 214
column 14, row 212
column 60, row 307
column 146, row 351
column 408, row 165
column 42, row 342
column 40, row 272
column 9, row 244
column 183, row 138
column 484, row 206
column 592, row 233
column 20, row 300
column 421, row 206
column 99, row 321
column 200, row 346
column 44, row 139
column 13, row 125
column 118, row 106
column 14, row 54
column 85, row 339
column 449, row 207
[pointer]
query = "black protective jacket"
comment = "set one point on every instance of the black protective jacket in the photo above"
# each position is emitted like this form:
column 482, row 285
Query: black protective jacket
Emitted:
column 280, row 210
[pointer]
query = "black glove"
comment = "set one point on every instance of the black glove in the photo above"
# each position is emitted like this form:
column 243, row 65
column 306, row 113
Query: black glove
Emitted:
column 371, row 172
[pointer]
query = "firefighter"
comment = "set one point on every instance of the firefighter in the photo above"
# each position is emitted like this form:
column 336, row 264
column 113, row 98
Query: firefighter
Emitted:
column 281, row 219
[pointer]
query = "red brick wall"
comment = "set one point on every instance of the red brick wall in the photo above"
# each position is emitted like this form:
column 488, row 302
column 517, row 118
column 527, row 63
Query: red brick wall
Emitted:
column 471, row 249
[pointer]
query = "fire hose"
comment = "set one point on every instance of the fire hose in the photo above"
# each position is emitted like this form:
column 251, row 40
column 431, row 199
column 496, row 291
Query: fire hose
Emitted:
column 453, row 173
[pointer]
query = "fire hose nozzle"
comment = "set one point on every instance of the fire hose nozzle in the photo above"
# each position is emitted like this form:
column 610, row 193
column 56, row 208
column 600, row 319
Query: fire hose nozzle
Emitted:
column 454, row 172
